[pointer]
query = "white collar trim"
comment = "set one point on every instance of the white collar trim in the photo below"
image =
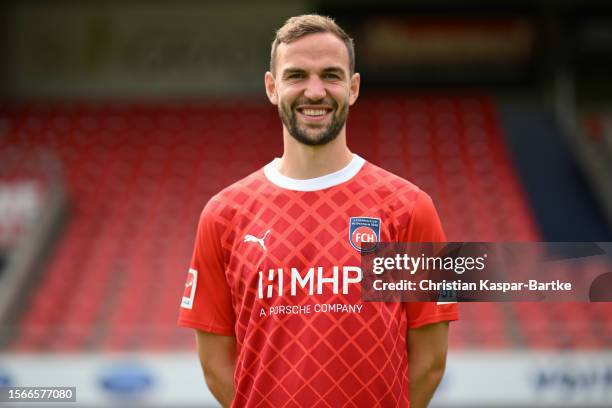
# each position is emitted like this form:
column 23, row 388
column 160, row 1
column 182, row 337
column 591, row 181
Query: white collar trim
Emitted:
column 313, row 184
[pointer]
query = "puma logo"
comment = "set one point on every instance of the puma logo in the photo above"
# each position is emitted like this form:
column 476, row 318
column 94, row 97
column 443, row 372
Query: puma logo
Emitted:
column 260, row 241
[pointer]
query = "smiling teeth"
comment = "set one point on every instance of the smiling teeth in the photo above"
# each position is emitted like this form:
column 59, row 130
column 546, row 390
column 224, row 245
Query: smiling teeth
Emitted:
column 314, row 112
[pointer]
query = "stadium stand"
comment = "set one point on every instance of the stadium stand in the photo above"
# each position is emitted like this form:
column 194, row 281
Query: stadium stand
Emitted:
column 593, row 144
column 138, row 176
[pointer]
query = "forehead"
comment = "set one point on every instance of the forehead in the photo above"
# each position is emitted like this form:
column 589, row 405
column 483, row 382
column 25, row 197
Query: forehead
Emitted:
column 313, row 51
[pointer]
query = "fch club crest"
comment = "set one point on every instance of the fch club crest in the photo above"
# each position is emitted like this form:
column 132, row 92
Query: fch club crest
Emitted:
column 364, row 233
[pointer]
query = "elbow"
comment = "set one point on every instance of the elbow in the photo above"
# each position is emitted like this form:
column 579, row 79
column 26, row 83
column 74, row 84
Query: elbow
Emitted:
column 212, row 377
column 428, row 373
column 219, row 380
column 217, row 386
column 436, row 371
column 212, row 382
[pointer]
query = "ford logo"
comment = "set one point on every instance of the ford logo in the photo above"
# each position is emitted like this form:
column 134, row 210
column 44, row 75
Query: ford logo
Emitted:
column 126, row 380
column 5, row 380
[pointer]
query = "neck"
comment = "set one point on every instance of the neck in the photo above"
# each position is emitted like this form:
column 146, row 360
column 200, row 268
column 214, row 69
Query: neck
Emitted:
column 301, row 161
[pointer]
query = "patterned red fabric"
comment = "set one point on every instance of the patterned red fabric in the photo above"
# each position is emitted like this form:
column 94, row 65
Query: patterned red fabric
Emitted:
column 350, row 354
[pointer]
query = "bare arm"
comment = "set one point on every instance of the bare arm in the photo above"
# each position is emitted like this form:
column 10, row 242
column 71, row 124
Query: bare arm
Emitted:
column 218, row 359
column 427, row 346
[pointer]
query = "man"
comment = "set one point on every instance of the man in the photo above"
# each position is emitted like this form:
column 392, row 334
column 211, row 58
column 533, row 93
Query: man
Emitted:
column 273, row 289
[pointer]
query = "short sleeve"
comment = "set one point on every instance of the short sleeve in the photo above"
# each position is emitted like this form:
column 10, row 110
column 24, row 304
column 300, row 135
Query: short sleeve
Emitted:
column 425, row 226
column 207, row 302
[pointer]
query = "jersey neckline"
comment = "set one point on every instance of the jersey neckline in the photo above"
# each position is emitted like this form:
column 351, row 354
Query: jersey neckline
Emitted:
column 318, row 183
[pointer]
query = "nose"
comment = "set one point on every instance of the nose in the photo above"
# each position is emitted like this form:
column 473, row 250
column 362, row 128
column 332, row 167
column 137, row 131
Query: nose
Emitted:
column 315, row 88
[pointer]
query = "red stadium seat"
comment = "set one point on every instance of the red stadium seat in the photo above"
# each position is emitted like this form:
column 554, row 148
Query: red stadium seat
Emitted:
column 138, row 176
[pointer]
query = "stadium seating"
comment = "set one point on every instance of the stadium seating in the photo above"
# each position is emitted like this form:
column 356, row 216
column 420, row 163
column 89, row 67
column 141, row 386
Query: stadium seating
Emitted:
column 139, row 175
column 594, row 142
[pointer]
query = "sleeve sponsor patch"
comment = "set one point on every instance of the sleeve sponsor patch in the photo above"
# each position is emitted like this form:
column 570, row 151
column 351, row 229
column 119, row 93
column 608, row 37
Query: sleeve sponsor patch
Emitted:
column 190, row 289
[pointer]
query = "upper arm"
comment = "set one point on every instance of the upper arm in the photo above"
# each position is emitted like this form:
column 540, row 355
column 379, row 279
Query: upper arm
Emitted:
column 428, row 343
column 216, row 352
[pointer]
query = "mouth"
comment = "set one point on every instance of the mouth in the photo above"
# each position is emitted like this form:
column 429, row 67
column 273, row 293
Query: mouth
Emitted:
column 314, row 113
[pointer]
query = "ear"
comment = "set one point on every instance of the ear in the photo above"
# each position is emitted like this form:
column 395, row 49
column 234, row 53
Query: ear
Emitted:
column 270, row 83
column 354, row 88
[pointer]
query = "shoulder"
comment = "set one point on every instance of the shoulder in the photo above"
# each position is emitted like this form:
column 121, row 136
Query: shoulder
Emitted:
column 402, row 200
column 394, row 189
column 224, row 205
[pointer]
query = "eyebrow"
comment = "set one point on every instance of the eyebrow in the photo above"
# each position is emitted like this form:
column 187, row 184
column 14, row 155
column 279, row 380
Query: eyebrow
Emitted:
column 332, row 69
column 290, row 71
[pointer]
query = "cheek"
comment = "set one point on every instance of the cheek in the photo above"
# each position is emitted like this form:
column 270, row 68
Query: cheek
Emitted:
column 290, row 91
column 341, row 95
column 286, row 97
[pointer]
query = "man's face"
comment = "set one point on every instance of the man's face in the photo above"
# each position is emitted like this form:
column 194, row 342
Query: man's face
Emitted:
column 313, row 87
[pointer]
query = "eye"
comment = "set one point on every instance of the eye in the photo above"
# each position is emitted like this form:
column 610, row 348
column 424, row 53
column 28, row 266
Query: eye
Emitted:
column 295, row 75
column 331, row 75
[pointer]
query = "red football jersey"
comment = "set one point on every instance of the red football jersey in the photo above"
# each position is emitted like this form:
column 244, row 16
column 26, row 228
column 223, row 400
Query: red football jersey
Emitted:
column 277, row 264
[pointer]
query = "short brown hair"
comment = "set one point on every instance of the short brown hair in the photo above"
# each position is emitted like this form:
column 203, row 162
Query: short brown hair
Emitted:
column 300, row 26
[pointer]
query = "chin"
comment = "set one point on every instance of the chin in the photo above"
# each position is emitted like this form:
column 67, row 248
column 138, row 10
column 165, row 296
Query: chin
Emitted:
column 318, row 141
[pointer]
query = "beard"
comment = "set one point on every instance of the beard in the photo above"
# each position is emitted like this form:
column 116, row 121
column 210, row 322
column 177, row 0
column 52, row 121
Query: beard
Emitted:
column 313, row 137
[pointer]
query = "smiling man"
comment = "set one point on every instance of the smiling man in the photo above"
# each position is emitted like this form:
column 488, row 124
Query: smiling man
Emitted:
column 274, row 291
